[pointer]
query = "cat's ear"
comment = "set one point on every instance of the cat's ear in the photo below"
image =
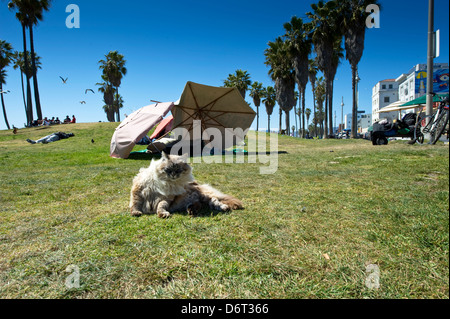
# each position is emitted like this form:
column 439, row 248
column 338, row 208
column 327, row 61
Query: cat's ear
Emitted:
column 185, row 157
column 164, row 156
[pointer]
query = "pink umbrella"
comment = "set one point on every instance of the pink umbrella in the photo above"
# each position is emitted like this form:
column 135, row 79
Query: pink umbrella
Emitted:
column 163, row 127
column 135, row 127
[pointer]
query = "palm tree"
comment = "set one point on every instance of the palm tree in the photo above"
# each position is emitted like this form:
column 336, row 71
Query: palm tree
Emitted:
column 320, row 98
column 308, row 115
column 108, row 98
column 326, row 21
column 20, row 6
column 256, row 93
column 113, row 71
column 240, row 80
column 34, row 12
column 109, row 110
column 19, row 63
column 6, row 53
column 3, row 81
column 30, row 12
column 312, row 73
column 299, row 114
column 338, row 54
column 297, row 33
column 269, row 100
column 118, row 101
column 296, row 112
column 355, row 15
column 280, row 123
column 279, row 59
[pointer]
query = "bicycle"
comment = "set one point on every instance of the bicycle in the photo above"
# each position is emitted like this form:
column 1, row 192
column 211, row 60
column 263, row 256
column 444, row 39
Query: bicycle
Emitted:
column 435, row 125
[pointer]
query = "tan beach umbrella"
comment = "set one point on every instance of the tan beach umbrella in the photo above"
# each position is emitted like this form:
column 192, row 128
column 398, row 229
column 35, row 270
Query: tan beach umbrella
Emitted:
column 216, row 107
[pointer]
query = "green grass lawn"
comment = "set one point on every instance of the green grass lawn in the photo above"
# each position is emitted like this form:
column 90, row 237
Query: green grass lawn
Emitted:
column 333, row 208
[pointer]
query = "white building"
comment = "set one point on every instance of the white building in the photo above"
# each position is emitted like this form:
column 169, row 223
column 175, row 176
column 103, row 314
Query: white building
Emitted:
column 364, row 121
column 384, row 93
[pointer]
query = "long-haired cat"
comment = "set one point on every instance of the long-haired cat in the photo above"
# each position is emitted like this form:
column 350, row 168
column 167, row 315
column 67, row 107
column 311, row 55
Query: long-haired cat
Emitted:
column 168, row 186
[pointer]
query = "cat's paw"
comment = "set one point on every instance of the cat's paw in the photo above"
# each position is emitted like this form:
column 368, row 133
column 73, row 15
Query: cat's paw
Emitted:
column 220, row 207
column 217, row 205
column 164, row 214
column 136, row 213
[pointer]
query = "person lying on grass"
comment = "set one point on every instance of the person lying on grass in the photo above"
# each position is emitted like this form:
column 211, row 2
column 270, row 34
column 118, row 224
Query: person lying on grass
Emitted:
column 52, row 138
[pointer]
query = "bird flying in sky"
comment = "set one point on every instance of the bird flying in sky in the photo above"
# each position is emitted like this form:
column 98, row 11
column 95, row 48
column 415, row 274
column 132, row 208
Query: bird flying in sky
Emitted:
column 64, row 81
column 89, row 90
column 82, row 102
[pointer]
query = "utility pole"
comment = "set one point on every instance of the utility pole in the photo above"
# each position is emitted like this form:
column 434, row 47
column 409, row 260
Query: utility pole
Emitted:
column 430, row 57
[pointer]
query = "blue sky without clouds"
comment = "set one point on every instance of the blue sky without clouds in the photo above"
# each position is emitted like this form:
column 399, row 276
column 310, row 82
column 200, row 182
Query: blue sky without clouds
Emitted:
column 169, row 43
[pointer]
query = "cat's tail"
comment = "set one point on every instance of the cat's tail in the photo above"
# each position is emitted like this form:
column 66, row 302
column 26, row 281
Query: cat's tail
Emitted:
column 218, row 199
column 232, row 203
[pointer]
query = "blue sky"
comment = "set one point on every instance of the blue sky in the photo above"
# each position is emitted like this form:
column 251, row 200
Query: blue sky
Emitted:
column 169, row 43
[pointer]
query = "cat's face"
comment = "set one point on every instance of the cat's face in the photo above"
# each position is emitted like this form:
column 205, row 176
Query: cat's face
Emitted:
column 174, row 168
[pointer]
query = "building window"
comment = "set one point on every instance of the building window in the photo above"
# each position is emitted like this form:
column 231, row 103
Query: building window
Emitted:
column 391, row 86
column 386, row 99
column 383, row 87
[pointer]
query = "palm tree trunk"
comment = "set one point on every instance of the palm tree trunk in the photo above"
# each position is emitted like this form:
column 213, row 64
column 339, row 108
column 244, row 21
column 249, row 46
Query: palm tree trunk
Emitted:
column 117, row 104
column 29, row 107
column 330, row 109
column 23, row 91
column 355, row 106
column 303, row 111
column 287, row 123
column 268, row 124
column 314, row 102
column 35, row 81
column 3, row 106
column 281, row 115
column 110, row 113
column 257, row 118
column 295, row 117
column 325, row 133
column 299, row 120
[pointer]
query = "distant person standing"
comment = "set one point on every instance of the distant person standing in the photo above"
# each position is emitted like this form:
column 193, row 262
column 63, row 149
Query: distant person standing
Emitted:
column 74, row 120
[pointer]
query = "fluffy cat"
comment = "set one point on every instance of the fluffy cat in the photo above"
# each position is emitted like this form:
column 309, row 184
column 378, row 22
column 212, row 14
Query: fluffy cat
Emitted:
column 168, row 186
